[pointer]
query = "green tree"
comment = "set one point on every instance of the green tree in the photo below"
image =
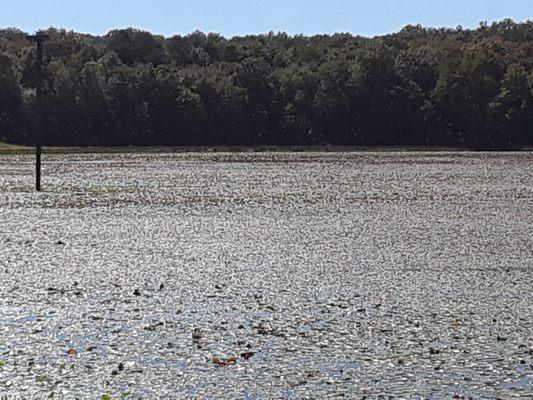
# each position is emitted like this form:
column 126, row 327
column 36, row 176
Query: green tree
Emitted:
column 513, row 107
column 11, row 106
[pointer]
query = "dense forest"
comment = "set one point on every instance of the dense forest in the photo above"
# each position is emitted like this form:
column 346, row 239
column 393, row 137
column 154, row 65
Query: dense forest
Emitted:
column 420, row 86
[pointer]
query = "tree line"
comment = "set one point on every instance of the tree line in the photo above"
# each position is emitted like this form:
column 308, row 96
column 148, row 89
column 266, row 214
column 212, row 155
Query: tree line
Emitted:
column 420, row 86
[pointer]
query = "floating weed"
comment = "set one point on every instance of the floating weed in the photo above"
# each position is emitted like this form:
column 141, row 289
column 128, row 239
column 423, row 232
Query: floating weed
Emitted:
column 42, row 378
column 112, row 189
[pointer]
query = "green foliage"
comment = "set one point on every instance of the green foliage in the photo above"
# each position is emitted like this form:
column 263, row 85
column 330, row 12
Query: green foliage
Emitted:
column 11, row 104
column 450, row 87
column 42, row 378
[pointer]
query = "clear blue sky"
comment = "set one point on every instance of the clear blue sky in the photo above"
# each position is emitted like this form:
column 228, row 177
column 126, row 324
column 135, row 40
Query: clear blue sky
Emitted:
column 237, row 17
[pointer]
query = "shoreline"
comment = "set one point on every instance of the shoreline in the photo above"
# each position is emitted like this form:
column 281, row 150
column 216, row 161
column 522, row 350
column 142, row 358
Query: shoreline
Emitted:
column 6, row 148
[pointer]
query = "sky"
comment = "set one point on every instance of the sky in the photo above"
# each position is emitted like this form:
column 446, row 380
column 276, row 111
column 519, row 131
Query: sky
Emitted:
column 239, row 17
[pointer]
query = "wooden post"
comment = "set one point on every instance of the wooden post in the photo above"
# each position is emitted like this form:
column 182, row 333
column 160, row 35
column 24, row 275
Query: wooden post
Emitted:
column 39, row 39
column 38, row 150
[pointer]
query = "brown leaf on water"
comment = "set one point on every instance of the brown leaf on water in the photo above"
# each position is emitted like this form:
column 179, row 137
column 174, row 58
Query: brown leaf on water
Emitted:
column 224, row 362
column 247, row 355
column 197, row 334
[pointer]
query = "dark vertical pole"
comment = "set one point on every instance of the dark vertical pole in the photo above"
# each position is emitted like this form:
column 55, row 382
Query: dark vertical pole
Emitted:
column 38, row 152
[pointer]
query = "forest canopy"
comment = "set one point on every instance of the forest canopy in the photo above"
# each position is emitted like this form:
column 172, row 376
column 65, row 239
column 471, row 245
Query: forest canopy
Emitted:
column 418, row 87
